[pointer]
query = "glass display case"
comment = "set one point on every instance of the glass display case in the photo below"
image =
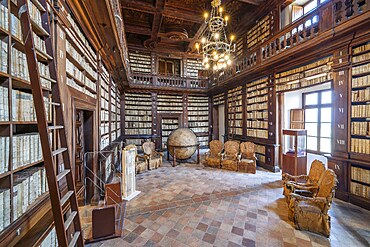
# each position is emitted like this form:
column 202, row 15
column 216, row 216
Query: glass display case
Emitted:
column 295, row 153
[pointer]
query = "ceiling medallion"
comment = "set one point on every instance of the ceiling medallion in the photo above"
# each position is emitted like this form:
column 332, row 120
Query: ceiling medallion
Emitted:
column 215, row 46
column 176, row 32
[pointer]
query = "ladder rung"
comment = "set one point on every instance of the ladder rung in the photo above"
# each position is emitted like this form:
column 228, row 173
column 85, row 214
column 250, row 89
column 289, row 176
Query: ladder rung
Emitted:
column 52, row 103
column 66, row 197
column 69, row 220
column 59, row 151
column 56, row 127
column 62, row 174
column 74, row 239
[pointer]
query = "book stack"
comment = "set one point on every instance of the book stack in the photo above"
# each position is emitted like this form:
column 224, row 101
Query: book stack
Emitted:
column 19, row 65
column 361, row 69
column 15, row 27
column 3, row 56
column 361, row 111
column 34, row 13
column 104, row 142
column 193, row 66
column 26, row 149
column 219, row 99
column 360, row 145
column 4, row 154
column 260, row 153
column 138, row 114
column 23, row 108
column 360, row 189
column 4, row 21
column 51, row 239
column 360, row 128
column 4, row 208
column 4, row 105
column 361, row 49
column 362, row 81
column 28, row 186
column 361, row 95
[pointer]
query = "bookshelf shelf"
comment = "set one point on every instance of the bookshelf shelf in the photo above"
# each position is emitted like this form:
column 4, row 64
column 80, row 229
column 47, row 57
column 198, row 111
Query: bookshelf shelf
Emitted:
column 235, row 112
column 198, row 112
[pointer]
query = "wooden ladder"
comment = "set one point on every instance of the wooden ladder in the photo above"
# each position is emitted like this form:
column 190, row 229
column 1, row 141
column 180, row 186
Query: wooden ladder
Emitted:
column 66, row 234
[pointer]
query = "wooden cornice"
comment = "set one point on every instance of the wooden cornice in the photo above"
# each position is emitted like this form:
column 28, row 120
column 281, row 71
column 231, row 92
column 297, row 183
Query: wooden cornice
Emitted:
column 253, row 2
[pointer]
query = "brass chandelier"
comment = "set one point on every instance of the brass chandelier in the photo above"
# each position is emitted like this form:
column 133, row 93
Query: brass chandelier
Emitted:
column 215, row 46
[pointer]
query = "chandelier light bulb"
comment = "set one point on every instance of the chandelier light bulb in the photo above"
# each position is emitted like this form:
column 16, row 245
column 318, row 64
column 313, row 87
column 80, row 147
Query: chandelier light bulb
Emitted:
column 227, row 57
column 224, row 65
column 207, row 66
column 219, row 65
column 232, row 37
column 215, row 67
column 215, row 56
column 206, row 59
column 197, row 46
column 227, row 18
column 205, row 15
column 203, row 40
column 217, row 36
column 220, row 9
column 228, row 62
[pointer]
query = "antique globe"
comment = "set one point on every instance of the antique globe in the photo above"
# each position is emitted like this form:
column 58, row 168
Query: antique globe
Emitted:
column 184, row 141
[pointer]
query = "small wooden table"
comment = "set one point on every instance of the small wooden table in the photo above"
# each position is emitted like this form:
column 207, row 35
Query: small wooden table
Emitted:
column 174, row 153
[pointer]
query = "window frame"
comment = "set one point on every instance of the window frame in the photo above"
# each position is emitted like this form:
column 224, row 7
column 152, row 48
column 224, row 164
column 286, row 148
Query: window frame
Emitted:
column 319, row 106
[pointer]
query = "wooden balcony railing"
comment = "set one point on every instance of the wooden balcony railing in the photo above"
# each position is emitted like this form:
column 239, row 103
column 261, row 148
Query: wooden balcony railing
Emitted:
column 169, row 81
column 327, row 16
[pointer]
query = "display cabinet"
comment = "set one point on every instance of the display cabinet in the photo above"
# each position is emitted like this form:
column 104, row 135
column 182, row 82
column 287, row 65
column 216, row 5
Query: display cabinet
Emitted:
column 294, row 153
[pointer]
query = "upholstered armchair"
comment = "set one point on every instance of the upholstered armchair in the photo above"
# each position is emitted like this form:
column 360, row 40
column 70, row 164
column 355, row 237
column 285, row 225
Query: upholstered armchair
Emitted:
column 303, row 184
column 154, row 158
column 311, row 213
column 140, row 160
column 230, row 157
column 247, row 158
column 213, row 156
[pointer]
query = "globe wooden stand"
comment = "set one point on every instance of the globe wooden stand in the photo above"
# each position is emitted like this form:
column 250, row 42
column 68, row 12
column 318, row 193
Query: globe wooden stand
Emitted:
column 181, row 147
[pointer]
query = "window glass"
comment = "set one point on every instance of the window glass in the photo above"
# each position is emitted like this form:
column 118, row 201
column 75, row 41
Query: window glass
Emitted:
column 325, row 145
column 310, row 6
column 312, row 143
column 323, row 1
column 297, row 11
column 311, row 115
column 326, row 97
column 326, row 115
column 311, row 99
column 325, row 130
column 311, row 129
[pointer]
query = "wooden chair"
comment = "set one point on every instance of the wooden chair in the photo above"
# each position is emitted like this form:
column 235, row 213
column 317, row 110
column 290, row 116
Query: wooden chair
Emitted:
column 303, row 184
column 311, row 213
column 213, row 156
column 141, row 162
column 230, row 159
column 154, row 158
column 247, row 159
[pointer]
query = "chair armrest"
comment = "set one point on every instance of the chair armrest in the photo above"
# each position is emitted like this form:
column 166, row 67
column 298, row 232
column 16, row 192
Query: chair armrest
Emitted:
column 287, row 177
column 144, row 157
column 320, row 202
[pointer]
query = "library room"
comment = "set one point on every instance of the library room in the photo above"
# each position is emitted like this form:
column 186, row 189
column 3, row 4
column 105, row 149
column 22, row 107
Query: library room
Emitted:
column 184, row 123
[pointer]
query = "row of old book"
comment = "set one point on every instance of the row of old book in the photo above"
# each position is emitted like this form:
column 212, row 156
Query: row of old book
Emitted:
column 361, row 81
column 26, row 149
column 360, row 145
column 257, row 124
column 361, row 95
column 4, row 104
column 361, row 69
column 361, row 58
column 360, row 128
column 257, row 99
column 23, row 108
column 82, row 61
column 72, row 83
column 361, row 111
column 257, row 133
column 360, row 174
column 360, row 189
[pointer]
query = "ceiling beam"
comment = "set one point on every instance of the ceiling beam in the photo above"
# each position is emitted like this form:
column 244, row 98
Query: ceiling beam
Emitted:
column 253, row 2
column 168, row 11
column 138, row 30
column 157, row 19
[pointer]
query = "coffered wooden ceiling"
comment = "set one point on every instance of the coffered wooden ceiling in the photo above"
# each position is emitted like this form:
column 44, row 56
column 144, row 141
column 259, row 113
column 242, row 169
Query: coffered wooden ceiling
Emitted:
column 175, row 25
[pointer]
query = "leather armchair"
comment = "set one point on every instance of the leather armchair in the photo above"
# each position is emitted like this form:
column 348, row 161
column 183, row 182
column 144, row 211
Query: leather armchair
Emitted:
column 154, row 158
column 213, row 156
column 247, row 159
column 230, row 157
column 303, row 184
column 311, row 213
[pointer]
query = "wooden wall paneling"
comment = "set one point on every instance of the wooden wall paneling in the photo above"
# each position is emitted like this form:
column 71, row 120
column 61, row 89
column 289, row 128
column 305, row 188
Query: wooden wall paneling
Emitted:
column 340, row 143
column 341, row 169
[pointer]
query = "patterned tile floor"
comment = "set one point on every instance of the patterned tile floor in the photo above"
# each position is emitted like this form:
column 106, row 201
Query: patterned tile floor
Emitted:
column 190, row 205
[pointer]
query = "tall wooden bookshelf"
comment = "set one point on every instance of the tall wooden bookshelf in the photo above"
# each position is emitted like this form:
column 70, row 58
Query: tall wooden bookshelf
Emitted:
column 104, row 107
column 81, row 60
column 23, row 185
column 260, row 32
column 359, row 148
column 235, row 112
column 138, row 117
column 257, row 108
column 198, row 121
column 193, row 68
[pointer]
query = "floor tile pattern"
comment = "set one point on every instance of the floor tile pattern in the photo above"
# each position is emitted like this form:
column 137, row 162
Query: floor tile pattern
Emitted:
column 190, row 205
